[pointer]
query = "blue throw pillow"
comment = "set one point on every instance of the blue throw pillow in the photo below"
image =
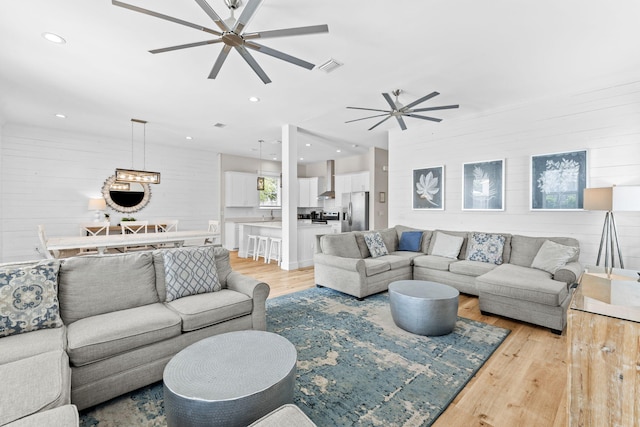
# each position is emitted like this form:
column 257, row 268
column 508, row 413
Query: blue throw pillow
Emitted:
column 410, row 241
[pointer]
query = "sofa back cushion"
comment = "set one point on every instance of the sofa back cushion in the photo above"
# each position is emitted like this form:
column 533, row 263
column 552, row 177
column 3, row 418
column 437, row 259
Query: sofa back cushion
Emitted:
column 93, row 284
column 463, row 248
column 524, row 249
column 424, row 242
column 341, row 244
column 223, row 267
column 390, row 238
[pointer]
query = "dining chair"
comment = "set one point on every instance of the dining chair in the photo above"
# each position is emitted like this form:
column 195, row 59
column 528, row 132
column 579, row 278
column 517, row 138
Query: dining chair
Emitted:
column 214, row 227
column 168, row 225
column 134, row 227
column 93, row 229
column 42, row 236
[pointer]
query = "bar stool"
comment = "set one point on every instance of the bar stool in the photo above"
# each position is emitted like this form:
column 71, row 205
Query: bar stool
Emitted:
column 263, row 245
column 276, row 244
column 252, row 245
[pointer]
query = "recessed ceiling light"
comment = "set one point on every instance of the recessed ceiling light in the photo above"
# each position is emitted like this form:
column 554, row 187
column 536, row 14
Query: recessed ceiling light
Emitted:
column 307, row 144
column 338, row 151
column 355, row 145
column 254, row 99
column 61, row 116
column 54, row 38
column 301, row 158
column 189, row 138
column 275, row 158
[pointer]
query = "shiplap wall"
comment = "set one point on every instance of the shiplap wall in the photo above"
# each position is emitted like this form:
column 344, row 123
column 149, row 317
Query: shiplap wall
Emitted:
column 605, row 121
column 48, row 177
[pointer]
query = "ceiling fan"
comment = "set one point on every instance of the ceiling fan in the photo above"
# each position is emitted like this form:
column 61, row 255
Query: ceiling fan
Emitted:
column 399, row 111
column 233, row 35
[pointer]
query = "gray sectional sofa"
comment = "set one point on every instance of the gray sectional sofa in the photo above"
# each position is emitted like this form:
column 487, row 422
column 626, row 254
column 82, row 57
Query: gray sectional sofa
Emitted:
column 111, row 325
column 520, row 277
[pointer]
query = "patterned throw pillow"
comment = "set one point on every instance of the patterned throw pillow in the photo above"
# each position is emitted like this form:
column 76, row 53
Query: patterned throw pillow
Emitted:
column 29, row 298
column 375, row 244
column 190, row 271
column 486, row 247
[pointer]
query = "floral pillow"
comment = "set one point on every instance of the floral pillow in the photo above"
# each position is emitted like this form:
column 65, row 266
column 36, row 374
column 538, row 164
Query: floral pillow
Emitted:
column 29, row 298
column 485, row 247
column 375, row 244
column 190, row 271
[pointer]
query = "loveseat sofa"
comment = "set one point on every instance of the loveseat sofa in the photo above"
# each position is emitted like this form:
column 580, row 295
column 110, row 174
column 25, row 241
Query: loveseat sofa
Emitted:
column 524, row 278
column 85, row 329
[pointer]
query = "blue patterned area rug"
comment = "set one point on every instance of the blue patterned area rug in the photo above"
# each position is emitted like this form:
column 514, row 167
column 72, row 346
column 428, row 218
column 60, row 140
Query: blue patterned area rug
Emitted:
column 355, row 366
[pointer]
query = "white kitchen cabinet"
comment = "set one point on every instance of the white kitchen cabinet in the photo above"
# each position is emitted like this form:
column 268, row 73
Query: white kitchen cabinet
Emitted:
column 240, row 189
column 308, row 190
column 349, row 183
column 360, row 181
column 231, row 230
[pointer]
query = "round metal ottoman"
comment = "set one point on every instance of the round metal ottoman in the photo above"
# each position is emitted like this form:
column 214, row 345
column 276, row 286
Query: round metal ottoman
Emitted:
column 424, row 308
column 229, row 380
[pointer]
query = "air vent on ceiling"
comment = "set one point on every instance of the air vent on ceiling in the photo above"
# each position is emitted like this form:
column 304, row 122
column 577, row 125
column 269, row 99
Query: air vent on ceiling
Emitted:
column 330, row 65
column 219, row 125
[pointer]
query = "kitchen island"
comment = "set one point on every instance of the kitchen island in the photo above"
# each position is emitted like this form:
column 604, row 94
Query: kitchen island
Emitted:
column 306, row 237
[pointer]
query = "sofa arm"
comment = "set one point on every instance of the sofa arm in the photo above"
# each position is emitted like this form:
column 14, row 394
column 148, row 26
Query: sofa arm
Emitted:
column 257, row 290
column 570, row 273
column 351, row 264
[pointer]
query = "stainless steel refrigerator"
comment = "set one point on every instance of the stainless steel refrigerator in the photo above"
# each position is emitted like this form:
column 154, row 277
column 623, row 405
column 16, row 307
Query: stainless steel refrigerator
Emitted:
column 355, row 211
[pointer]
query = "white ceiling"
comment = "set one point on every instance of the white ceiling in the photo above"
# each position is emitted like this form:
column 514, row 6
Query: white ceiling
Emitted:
column 481, row 54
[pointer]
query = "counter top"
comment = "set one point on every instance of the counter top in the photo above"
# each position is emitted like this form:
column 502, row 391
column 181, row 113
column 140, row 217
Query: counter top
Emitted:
column 278, row 224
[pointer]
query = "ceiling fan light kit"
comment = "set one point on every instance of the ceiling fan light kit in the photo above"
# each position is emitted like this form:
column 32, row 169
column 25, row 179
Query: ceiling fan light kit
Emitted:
column 400, row 111
column 232, row 34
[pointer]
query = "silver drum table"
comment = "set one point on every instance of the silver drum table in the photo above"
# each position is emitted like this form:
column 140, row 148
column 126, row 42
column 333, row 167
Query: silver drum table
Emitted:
column 424, row 308
column 229, row 380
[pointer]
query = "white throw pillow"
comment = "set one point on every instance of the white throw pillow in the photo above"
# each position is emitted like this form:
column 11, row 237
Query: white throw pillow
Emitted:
column 553, row 256
column 446, row 245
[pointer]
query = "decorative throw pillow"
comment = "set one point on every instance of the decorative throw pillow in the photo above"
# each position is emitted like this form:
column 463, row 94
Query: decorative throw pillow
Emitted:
column 375, row 244
column 410, row 241
column 551, row 256
column 190, row 271
column 446, row 245
column 486, row 247
column 29, row 298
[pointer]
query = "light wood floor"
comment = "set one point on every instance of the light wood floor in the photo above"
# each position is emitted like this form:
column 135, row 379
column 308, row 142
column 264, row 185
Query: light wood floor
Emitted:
column 522, row 384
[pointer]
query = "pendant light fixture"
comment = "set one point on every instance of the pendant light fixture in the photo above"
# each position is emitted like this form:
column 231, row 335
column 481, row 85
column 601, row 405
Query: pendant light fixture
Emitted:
column 260, row 185
column 140, row 176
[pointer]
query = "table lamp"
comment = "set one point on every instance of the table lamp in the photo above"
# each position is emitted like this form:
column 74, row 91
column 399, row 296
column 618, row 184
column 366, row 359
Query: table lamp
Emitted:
column 97, row 205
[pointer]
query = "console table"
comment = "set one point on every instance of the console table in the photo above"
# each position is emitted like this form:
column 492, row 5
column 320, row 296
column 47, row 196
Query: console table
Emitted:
column 603, row 331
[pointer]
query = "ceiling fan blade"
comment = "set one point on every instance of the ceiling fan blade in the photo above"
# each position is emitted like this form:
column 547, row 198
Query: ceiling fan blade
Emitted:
column 364, row 118
column 415, row 116
column 246, row 15
column 279, row 55
column 389, row 101
column 221, row 58
column 369, row 109
column 165, row 17
column 380, row 122
column 253, row 64
column 403, row 126
column 213, row 15
column 421, row 100
column 443, row 107
column 184, row 46
column 298, row 31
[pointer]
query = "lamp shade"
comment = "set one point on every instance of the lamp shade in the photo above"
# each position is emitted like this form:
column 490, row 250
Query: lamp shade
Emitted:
column 598, row 199
column 98, row 204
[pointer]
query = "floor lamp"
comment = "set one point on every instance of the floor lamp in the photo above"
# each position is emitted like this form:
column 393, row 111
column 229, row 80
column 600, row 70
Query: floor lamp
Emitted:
column 609, row 199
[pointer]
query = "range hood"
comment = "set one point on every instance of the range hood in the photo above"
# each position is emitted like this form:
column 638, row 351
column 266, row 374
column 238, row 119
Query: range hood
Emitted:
column 330, row 180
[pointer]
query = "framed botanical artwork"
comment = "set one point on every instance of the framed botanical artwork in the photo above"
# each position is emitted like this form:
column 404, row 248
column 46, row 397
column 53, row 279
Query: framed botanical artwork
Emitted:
column 558, row 180
column 428, row 188
column 483, row 186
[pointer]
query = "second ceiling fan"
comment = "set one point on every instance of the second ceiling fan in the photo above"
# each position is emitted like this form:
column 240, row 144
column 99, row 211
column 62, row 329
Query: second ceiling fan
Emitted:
column 399, row 111
column 232, row 34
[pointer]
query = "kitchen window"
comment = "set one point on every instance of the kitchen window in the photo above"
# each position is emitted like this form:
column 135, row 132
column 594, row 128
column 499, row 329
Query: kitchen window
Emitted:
column 270, row 196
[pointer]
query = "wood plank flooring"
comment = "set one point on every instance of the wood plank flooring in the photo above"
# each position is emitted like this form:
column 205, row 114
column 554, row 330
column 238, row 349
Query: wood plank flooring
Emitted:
column 522, row 384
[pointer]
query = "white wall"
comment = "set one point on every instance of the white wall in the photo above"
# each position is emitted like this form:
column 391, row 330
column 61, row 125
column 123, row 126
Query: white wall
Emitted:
column 48, row 177
column 605, row 121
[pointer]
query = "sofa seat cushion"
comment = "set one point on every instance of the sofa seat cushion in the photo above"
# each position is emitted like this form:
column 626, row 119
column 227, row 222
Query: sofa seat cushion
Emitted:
column 396, row 261
column 34, row 384
column 471, row 268
column 434, row 262
column 373, row 266
column 200, row 311
column 523, row 283
column 29, row 344
column 62, row 416
column 105, row 335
